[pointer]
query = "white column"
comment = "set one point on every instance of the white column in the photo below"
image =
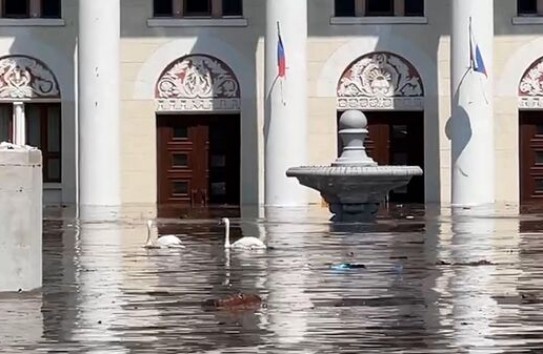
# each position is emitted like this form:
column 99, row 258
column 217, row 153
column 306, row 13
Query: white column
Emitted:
column 285, row 128
column 19, row 123
column 99, row 85
column 472, row 122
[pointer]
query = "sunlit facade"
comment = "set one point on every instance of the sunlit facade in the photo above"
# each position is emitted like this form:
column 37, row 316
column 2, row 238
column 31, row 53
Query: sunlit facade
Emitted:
column 180, row 102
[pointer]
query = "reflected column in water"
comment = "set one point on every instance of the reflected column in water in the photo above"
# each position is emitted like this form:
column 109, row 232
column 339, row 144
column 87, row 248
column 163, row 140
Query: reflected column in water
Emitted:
column 100, row 278
column 287, row 300
column 464, row 292
column 474, row 311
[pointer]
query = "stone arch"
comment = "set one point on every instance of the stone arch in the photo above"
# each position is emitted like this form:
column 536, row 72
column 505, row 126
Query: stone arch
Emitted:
column 26, row 78
column 530, row 88
column 380, row 81
column 198, row 82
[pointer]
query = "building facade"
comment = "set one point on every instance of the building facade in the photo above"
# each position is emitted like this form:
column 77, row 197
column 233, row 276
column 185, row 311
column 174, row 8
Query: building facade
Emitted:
column 183, row 102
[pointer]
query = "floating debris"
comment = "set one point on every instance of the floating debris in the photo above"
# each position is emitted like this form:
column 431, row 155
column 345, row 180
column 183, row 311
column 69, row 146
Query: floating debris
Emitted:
column 239, row 301
column 475, row 263
column 343, row 266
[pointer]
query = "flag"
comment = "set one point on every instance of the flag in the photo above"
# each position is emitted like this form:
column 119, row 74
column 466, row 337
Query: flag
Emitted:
column 475, row 56
column 281, row 60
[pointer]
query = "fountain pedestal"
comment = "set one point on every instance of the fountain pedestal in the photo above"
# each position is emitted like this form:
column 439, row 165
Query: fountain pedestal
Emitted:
column 354, row 185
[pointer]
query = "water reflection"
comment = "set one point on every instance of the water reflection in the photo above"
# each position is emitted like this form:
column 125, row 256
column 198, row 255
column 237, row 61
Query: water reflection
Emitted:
column 22, row 321
column 440, row 281
column 60, row 287
column 99, row 268
column 287, row 275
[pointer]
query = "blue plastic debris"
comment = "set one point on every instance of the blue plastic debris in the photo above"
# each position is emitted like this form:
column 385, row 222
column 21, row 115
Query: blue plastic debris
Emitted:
column 344, row 266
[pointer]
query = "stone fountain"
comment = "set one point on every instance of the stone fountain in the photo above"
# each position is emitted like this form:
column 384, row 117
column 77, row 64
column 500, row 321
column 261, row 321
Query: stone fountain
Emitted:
column 354, row 185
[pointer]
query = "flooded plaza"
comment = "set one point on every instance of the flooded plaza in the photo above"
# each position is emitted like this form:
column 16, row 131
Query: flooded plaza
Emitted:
column 434, row 281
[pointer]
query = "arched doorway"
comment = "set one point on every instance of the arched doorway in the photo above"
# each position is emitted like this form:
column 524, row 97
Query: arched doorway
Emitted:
column 389, row 90
column 530, row 104
column 198, row 133
column 30, row 110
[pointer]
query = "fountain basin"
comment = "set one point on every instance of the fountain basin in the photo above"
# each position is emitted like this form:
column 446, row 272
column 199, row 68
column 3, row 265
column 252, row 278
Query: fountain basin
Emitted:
column 354, row 184
column 353, row 193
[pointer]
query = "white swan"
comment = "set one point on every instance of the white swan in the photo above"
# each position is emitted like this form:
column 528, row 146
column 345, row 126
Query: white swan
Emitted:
column 165, row 241
column 244, row 243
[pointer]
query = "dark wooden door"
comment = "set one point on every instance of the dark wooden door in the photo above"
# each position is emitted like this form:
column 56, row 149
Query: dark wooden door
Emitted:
column 182, row 150
column 198, row 160
column 531, row 157
column 397, row 138
column 6, row 122
column 224, row 161
column 44, row 130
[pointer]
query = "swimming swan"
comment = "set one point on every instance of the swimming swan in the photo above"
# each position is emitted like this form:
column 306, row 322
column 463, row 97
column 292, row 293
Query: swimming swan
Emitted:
column 165, row 241
column 245, row 243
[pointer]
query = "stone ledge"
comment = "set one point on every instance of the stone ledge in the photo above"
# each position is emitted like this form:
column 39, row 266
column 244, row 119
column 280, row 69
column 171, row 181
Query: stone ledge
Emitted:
column 197, row 22
column 379, row 20
column 527, row 20
column 34, row 22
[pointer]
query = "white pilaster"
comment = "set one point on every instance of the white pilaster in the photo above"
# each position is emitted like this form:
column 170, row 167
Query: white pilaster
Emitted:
column 285, row 128
column 19, row 123
column 99, row 138
column 472, row 121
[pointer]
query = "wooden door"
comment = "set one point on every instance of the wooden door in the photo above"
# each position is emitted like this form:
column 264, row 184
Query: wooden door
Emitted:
column 531, row 157
column 182, row 143
column 406, row 147
column 224, row 160
column 44, row 130
column 198, row 160
column 397, row 138
column 6, row 122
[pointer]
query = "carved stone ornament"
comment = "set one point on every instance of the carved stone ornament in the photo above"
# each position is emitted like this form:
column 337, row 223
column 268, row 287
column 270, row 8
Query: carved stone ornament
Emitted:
column 380, row 81
column 531, row 87
column 197, row 83
column 22, row 77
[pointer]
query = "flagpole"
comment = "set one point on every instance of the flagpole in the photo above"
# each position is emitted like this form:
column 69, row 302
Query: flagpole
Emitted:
column 470, row 39
column 281, row 78
column 473, row 58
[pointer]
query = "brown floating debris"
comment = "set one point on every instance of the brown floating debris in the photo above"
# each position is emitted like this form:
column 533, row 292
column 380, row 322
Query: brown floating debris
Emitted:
column 239, row 301
column 475, row 263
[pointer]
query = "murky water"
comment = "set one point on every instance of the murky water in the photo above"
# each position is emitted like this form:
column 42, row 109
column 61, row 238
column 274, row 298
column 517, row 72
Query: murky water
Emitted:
column 433, row 283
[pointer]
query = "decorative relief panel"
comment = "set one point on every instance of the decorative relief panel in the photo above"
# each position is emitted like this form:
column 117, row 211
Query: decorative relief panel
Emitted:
column 531, row 87
column 197, row 83
column 23, row 77
column 380, row 81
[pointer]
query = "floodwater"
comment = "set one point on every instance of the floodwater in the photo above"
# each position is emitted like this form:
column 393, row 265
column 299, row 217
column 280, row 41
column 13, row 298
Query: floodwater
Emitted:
column 439, row 281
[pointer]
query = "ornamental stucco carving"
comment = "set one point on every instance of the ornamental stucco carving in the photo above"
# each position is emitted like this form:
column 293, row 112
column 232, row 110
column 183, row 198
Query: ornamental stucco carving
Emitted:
column 531, row 87
column 380, row 81
column 531, row 83
column 23, row 77
column 198, row 83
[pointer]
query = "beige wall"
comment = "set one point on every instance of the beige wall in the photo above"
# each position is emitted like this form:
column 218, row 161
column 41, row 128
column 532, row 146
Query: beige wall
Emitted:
column 329, row 49
column 55, row 46
column 413, row 41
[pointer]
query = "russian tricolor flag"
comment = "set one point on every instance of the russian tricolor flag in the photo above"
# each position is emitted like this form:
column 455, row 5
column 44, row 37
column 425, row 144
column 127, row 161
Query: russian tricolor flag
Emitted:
column 281, row 60
column 475, row 56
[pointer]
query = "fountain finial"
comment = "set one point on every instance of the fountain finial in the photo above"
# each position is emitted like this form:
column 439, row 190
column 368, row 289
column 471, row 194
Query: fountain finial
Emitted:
column 353, row 132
